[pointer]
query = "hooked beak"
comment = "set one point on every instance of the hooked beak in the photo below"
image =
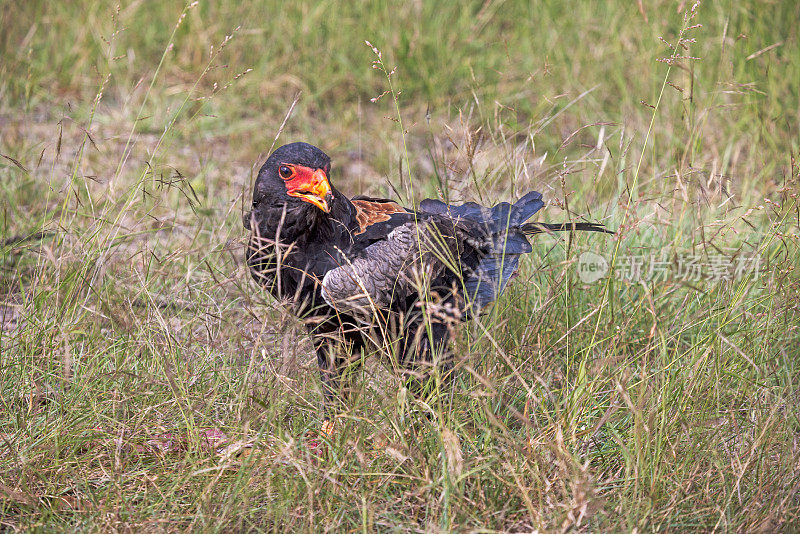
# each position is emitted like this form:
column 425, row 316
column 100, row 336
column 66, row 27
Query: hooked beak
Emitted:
column 312, row 187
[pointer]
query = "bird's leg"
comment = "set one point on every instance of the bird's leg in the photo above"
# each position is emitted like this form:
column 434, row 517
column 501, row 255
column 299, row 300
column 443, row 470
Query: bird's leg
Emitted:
column 334, row 354
column 330, row 377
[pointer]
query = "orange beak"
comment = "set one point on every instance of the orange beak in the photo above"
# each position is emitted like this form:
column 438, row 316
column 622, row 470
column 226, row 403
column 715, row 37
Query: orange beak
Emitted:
column 311, row 186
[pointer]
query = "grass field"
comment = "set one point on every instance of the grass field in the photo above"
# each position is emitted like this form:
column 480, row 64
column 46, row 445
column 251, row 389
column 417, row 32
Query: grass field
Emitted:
column 146, row 384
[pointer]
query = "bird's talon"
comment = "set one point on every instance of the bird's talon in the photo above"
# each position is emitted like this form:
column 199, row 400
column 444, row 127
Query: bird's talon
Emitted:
column 328, row 427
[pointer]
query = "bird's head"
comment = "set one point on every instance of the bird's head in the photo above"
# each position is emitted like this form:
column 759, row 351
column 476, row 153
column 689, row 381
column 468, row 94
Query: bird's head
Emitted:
column 295, row 176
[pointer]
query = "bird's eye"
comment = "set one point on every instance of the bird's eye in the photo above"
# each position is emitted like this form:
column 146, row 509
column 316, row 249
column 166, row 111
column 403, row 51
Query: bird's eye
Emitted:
column 285, row 171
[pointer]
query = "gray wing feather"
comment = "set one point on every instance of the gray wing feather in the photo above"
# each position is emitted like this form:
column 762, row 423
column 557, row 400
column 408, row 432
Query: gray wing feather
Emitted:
column 390, row 270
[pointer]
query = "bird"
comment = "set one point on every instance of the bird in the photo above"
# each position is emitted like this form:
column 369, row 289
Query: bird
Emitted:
column 366, row 272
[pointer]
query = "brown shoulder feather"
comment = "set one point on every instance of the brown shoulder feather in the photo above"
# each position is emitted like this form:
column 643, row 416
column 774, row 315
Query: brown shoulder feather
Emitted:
column 369, row 212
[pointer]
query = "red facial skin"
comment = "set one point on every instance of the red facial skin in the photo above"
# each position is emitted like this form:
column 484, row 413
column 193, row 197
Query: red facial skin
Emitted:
column 307, row 184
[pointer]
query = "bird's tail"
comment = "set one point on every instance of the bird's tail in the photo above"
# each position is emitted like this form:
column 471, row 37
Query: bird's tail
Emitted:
column 539, row 228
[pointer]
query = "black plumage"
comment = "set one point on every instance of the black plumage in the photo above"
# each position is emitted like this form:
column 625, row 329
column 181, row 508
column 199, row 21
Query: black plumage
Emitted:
column 366, row 272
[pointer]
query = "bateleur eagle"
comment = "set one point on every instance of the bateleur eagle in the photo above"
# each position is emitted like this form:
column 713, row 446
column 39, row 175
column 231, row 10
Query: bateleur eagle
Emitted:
column 369, row 273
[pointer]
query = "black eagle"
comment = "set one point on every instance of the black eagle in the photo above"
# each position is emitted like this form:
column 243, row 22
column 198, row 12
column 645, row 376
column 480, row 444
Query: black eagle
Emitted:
column 366, row 272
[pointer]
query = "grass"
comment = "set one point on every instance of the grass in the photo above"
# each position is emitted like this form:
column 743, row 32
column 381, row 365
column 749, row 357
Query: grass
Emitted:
column 147, row 384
